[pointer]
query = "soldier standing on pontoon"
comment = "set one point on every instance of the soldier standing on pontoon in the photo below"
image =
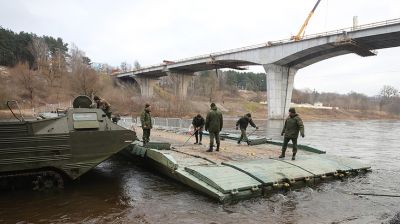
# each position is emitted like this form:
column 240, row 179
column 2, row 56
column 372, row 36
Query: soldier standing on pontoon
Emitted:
column 293, row 125
column 147, row 125
column 214, row 123
column 243, row 122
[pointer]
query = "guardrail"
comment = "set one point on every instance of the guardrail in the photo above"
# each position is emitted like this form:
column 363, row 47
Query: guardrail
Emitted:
column 179, row 123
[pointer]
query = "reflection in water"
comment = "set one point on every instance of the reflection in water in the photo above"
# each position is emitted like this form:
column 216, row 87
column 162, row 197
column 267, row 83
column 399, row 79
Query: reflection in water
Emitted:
column 123, row 191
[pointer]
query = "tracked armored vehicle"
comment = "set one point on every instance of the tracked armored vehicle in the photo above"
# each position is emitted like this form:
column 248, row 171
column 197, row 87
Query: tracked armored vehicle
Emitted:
column 43, row 153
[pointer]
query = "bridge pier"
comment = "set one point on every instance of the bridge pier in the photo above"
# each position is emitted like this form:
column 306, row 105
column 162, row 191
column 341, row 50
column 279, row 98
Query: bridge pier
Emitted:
column 146, row 85
column 280, row 80
column 181, row 83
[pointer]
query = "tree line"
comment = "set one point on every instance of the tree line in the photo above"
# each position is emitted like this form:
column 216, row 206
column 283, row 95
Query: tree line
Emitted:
column 210, row 82
column 215, row 84
column 231, row 80
column 387, row 99
column 44, row 70
column 29, row 48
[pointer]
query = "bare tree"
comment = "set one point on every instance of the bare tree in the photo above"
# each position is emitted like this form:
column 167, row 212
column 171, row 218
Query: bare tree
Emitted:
column 136, row 65
column 388, row 91
column 40, row 52
column 26, row 81
column 124, row 66
column 84, row 79
column 50, row 66
column 56, row 73
column 386, row 95
column 5, row 90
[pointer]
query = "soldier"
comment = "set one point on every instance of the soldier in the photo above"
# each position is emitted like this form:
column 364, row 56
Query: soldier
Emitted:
column 293, row 125
column 103, row 104
column 243, row 122
column 214, row 125
column 116, row 118
column 198, row 125
column 145, row 119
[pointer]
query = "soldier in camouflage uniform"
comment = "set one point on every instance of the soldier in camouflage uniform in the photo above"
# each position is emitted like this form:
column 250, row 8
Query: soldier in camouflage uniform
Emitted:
column 104, row 105
column 145, row 119
column 243, row 122
column 214, row 123
column 293, row 125
column 198, row 125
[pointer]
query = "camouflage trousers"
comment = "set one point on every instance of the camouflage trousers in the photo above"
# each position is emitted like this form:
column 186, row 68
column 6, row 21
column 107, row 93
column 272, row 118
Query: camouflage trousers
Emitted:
column 212, row 136
column 243, row 136
column 146, row 135
column 197, row 134
column 285, row 144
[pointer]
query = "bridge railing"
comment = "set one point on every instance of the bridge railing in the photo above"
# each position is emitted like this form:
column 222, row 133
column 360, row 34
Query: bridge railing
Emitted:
column 348, row 29
column 283, row 41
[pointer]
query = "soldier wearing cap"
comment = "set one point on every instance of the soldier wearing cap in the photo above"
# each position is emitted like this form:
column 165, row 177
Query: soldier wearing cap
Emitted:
column 198, row 125
column 293, row 125
column 214, row 123
column 147, row 124
column 243, row 122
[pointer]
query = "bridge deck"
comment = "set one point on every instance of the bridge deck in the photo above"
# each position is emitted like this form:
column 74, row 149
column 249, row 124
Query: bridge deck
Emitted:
column 379, row 35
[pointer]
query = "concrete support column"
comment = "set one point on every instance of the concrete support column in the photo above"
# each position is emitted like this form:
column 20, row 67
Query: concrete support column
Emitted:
column 146, row 85
column 181, row 83
column 280, row 80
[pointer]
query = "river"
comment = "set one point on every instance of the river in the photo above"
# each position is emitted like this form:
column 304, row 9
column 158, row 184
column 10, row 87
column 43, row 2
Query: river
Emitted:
column 122, row 191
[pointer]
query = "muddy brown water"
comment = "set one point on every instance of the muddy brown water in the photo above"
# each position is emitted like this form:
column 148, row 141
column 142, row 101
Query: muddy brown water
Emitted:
column 123, row 191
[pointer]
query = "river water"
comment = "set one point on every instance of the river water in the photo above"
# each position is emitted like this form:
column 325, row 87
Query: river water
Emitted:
column 122, row 191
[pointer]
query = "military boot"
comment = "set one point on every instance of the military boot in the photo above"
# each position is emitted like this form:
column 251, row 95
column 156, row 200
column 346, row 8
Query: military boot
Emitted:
column 248, row 142
column 217, row 148
column 239, row 141
column 282, row 154
column 210, row 149
column 294, row 156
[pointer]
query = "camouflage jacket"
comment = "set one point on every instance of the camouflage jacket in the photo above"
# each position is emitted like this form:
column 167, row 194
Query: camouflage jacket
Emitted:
column 214, row 120
column 145, row 120
column 244, row 121
column 104, row 105
column 293, row 125
column 198, row 122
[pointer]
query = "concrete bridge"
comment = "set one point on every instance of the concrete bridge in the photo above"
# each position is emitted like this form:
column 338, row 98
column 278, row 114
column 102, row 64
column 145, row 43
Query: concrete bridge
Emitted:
column 280, row 59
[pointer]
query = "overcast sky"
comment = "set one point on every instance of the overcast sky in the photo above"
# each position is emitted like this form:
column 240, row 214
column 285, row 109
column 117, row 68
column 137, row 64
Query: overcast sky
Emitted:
column 150, row 31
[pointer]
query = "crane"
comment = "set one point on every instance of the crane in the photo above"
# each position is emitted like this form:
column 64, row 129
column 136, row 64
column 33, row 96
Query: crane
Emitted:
column 300, row 34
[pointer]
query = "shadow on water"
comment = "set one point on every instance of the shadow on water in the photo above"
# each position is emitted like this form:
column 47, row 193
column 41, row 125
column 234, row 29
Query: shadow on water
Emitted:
column 124, row 191
column 95, row 194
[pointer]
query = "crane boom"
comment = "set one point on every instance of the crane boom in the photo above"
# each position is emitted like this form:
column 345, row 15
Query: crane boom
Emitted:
column 300, row 34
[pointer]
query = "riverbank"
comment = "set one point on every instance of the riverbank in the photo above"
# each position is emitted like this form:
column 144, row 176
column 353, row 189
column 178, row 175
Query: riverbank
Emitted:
column 236, row 107
column 258, row 111
column 244, row 102
column 338, row 115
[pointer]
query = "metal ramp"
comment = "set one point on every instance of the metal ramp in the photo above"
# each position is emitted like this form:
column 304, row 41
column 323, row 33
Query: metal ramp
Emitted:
column 352, row 164
column 269, row 171
column 317, row 165
column 224, row 178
